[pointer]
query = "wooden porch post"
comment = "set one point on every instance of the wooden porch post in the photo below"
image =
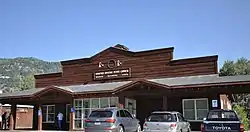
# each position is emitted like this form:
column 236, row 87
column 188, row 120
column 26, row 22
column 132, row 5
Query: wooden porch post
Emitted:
column 40, row 118
column 11, row 127
column 165, row 102
column 121, row 101
column 12, row 117
column 71, row 120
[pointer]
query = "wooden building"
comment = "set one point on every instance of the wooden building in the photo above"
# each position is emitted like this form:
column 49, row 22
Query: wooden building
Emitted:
column 139, row 81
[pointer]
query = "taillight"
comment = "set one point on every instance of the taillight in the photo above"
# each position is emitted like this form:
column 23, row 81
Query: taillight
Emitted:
column 172, row 125
column 241, row 128
column 145, row 124
column 110, row 120
column 87, row 120
column 202, row 127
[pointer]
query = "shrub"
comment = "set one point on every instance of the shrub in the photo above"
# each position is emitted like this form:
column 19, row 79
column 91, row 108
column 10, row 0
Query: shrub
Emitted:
column 242, row 115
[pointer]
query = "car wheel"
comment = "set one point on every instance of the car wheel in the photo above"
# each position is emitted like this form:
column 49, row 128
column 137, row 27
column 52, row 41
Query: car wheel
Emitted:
column 120, row 129
column 138, row 128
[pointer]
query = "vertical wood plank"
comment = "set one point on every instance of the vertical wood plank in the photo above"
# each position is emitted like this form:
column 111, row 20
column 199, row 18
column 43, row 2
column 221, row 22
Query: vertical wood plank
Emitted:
column 71, row 121
column 40, row 120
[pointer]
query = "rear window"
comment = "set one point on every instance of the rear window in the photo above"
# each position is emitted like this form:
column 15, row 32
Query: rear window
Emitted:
column 161, row 117
column 101, row 114
column 222, row 115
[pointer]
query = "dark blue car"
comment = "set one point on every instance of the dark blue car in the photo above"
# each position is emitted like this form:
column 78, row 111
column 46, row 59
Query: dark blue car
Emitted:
column 222, row 121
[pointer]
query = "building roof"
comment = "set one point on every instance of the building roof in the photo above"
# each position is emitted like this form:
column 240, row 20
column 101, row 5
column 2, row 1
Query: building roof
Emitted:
column 21, row 93
column 95, row 87
column 202, row 79
column 213, row 79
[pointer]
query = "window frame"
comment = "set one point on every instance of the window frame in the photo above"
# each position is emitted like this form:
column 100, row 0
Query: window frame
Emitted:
column 47, row 113
column 195, row 108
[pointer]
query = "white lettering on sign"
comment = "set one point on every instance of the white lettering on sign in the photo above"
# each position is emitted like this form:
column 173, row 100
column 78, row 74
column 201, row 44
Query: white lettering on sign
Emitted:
column 100, row 65
column 112, row 74
column 110, row 64
column 119, row 63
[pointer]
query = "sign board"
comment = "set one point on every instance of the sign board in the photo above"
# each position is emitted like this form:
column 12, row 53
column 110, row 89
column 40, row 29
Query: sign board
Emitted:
column 214, row 103
column 112, row 74
column 72, row 109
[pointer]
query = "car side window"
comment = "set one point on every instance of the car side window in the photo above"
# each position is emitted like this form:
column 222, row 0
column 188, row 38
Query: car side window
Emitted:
column 128, row 114
column 180, row 117
column 175, row 117
column 118, row 114
column 122, row 113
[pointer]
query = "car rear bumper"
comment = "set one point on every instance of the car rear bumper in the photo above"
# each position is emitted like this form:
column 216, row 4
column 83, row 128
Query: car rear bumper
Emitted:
column 159, row 131
column 94, row 130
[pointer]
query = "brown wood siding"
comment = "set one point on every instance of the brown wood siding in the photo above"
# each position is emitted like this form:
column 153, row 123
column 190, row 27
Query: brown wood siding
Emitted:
column 153, row 65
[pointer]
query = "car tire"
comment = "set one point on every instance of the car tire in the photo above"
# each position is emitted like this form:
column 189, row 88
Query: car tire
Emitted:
column 138, row 128
column 120, row 129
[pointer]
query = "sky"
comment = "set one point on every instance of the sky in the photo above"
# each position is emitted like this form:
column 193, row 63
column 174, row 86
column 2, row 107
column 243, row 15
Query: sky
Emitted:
column 57, row 30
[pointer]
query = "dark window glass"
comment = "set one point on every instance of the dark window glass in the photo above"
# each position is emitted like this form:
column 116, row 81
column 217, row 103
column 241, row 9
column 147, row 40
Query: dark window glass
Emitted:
column 118, row 114
column 128, row 114
column 122, row 114
column 101, row 114
column 161, row 117
column 180, row 117
column 222, row 115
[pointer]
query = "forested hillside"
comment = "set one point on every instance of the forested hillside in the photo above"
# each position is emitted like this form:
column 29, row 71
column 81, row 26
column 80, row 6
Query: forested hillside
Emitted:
column 17, row 73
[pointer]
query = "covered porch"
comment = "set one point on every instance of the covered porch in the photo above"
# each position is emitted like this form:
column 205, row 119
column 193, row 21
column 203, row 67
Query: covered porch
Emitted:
column 46, row 102
column 192, row 96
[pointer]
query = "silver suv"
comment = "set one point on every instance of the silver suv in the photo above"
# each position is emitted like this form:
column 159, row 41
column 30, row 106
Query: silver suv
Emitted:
column 165, row 121
column 111, row 120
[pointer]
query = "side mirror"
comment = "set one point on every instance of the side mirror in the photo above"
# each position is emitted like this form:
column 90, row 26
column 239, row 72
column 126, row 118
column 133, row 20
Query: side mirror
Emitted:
column 133, row 115
column 204, row 119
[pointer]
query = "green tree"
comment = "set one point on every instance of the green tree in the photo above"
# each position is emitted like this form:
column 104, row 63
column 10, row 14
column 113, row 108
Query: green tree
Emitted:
column 27, row 82
column 241, row 111
column 240, row 67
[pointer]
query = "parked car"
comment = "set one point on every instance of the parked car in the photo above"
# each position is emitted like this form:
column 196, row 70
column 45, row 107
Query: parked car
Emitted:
column 166, row 121
column 221, row 121
column 111, row 120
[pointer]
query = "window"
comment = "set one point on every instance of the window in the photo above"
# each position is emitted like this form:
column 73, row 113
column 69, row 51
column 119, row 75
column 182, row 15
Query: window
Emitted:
column 128, row 114
column 162, row 117
column 104, row 102
column 222, row 116
column 68, row 110
column 101, row 114
column 84, row 107
column 180, row 117
column 48, row 112
column 122, row 113
column 195, row 109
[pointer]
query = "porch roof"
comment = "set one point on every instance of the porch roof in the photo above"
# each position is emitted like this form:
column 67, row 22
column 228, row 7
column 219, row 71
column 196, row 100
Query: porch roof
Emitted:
column 177, row 82
column 213, row 79
column 101, row 87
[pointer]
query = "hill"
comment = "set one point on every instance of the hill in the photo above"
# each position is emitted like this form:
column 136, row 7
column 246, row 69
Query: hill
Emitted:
column 18, row 73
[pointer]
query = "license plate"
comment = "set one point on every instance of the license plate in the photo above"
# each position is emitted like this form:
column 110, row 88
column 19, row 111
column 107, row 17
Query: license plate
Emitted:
column 97, row 123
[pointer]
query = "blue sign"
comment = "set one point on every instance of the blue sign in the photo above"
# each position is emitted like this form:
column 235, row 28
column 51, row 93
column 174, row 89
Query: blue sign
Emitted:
column 214, row 103
column 72, row 109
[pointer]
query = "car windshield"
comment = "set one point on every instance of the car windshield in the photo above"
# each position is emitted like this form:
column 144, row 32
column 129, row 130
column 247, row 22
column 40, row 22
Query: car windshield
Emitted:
column 101, row 114
column 161, row 117
column 222, row 115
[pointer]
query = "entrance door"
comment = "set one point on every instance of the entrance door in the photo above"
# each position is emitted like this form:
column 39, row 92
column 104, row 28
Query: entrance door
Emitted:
column 145, row 106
